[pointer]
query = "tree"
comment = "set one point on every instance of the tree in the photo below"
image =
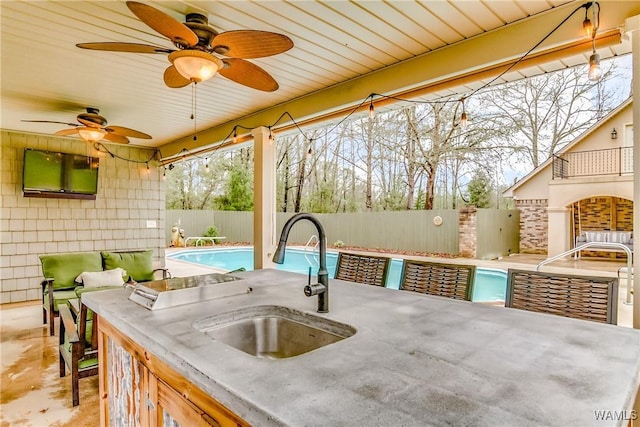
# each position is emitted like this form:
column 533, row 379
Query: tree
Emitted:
column 190, row 185
column 544, row 112
column 479, row 189
column 238, row 188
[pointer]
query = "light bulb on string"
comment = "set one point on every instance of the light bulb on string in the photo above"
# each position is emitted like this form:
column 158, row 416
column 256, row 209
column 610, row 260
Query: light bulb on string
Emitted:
column 372, row 110
column 463, row 116
column 235, row 135
column 587, row 26
column 595, row 72
column 164, row 173
column 193, row 110
column 206, row 165
column 310, row 150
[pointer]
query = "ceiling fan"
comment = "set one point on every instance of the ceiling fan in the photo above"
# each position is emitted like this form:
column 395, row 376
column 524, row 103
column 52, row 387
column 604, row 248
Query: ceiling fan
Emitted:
column 202, row 51
column 93, row 127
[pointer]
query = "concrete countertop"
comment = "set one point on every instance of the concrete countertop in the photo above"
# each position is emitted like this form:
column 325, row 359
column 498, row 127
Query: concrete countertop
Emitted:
column 415, row 360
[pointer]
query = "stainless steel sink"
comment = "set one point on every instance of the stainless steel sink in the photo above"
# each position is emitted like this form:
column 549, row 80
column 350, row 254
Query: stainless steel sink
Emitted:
column 273, row 332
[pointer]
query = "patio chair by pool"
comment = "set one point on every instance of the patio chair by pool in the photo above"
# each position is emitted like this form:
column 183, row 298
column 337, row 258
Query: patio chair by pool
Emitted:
column 582, row 297
column 444, row 280
column 367, row 269
column 78, row 346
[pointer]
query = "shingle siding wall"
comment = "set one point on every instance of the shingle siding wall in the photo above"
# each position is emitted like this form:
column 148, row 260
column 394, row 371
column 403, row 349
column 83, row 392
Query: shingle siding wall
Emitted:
column 128, row 196
column 533, row 225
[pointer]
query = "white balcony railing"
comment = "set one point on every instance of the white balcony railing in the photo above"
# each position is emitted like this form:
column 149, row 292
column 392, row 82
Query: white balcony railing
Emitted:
column 611, row 161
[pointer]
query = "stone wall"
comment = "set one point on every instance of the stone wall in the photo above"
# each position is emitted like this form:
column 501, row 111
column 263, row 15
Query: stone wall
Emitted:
column 128, row 212
column 533, row 225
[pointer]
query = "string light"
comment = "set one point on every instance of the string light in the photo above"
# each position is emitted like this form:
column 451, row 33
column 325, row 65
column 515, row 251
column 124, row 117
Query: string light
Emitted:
column 206, row 165
column 587, row 26
column 310, row 150
column 164, row 173
column 594, row 74
column 591, row 29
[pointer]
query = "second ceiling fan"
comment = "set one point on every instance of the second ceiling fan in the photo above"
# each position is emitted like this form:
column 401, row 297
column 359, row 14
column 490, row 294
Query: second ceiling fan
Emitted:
column 202, row 51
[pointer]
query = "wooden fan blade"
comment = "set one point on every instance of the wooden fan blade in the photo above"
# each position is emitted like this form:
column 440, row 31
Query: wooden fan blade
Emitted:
column 250, row 43
column 51, row 121
column 174, row 79
column 66, row 132
column 114, row 137
column 124, row 47
column 123, row 131
column 176, row 31
column 90, row 124
column 248, row 74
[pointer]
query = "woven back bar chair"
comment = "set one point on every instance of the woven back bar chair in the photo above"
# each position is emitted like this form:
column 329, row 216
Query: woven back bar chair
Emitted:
column 444, row 280
column 582, row 297
column 367, row 269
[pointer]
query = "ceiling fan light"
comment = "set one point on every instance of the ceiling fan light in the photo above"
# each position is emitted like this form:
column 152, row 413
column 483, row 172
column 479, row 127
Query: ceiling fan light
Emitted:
column 91, row 134
column 195, row 65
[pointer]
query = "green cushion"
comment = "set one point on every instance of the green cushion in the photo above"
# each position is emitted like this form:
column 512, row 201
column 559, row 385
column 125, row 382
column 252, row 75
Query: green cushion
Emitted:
column 60, row 297
column 87, row 363
column 137, row 264
column 82, row 364
column 79, row 290
column 64, row 268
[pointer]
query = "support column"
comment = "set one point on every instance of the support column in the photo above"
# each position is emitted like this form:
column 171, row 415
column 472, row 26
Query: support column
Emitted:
column 632, row 26
column 264, row 198
column 558, row 220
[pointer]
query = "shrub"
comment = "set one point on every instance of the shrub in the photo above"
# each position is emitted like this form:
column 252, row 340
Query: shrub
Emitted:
column 211, row 232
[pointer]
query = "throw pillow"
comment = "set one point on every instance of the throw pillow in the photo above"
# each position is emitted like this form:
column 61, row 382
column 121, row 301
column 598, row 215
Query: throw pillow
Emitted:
column 98, row 279
column 139, row 264
column 620, row 237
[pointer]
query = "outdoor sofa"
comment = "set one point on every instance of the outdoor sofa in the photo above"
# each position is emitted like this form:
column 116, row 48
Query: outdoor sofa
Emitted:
column 606, row 236
column 68, row 275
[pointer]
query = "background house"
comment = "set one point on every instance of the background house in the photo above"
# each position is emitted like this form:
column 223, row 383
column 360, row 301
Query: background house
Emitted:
column 586, row 186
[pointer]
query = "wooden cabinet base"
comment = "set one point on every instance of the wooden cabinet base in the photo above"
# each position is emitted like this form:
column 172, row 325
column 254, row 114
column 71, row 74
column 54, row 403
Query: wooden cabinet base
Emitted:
column 137, row 388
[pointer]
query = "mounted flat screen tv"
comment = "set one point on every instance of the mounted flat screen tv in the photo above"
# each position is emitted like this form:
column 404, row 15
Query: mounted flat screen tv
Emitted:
column 59, row 175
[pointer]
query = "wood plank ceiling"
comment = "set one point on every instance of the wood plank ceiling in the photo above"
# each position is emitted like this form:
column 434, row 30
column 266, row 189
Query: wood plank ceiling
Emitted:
column 45, row 76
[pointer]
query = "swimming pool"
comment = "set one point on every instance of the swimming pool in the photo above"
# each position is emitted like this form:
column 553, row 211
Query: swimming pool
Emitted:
column 490, row 284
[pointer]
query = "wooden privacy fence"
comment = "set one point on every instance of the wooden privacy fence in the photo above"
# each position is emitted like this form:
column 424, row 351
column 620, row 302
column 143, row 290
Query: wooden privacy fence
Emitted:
column 470, row 232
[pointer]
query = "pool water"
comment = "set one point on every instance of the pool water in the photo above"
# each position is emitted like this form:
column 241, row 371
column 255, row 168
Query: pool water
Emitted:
column 490, row 284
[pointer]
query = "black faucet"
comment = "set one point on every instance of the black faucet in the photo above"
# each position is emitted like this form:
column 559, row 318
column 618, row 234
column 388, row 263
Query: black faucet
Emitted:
column 322, row 287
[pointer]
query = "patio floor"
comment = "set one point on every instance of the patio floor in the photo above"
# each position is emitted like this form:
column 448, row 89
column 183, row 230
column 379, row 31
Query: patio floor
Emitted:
column 33, row 394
